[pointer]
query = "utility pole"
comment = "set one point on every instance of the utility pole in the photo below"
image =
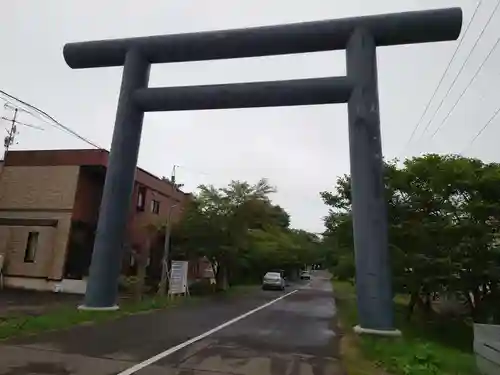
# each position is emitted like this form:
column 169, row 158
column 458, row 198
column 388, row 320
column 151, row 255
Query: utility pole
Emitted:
column 11, row 135
column 173, row 176
column 162, row 287
column 9, row 138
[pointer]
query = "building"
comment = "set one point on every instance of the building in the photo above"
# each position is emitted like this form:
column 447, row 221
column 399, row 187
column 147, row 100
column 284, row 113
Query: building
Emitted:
column 49, row 206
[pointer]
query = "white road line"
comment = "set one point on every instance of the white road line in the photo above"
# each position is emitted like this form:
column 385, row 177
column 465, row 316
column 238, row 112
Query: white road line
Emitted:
column 156, row 358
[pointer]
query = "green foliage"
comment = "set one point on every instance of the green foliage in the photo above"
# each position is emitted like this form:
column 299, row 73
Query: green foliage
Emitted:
column 344, row 268
column 410, row 356
column 443, row 230
column 242, row 233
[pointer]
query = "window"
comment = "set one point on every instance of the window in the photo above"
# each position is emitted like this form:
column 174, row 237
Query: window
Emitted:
column 155, row 207
column 31, row 245
column 141, row 198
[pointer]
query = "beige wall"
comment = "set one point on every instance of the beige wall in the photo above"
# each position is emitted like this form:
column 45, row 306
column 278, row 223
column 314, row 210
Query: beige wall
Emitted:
column 15, row 246
column 31, row 284
column 39, row 187
column 52, row 244
column 37, row 193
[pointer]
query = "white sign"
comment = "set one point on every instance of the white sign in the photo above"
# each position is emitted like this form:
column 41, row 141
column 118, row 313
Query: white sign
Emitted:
column 178, row 277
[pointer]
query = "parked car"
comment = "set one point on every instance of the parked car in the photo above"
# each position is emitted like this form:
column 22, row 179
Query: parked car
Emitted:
column 273, row 280
column 305, row 275
column 280, row 271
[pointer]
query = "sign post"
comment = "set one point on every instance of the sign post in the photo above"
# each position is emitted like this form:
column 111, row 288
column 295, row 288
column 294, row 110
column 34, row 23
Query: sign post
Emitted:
column 178, row 278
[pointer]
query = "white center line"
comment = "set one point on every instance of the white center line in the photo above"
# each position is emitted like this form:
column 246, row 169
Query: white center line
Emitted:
column 156, row 358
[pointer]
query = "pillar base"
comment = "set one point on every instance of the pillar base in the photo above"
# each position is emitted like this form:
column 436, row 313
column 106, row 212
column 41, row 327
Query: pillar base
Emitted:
column 90, row 308
column 377, row 332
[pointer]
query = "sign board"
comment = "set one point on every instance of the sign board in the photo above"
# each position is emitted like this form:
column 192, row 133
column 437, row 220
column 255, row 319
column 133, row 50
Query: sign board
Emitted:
column 178, row 277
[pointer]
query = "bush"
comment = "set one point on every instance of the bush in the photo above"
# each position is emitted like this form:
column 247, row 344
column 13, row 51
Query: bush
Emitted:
column 127, row 283
column 345, row 269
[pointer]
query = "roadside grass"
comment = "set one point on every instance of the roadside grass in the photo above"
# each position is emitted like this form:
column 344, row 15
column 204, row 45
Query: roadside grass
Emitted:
column 241, row 289
column 353, row 359
column 68, row 316
column 427, row 347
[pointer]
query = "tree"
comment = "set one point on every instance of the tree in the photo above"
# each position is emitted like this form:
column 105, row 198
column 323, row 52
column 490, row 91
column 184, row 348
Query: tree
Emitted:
column 443, row 214
column 241, row 232
column 142, row 255
column 217, row 222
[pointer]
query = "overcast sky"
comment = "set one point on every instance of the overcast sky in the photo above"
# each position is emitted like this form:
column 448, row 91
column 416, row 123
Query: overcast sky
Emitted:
column 302, row 150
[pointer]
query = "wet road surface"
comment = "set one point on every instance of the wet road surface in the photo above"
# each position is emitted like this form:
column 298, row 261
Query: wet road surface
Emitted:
column 293, row 336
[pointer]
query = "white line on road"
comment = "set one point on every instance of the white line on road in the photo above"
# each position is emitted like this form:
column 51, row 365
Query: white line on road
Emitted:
column 156, row 358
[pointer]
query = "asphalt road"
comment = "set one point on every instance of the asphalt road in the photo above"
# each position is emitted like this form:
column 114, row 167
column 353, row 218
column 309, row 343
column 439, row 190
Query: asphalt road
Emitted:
column 295, row 335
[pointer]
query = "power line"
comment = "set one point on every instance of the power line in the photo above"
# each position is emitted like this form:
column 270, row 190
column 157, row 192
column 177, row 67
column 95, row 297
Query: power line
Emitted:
column 443, row 76
column 23, row 123
column 476, row 43
column 47, row 116
column 195, row 171
column 466, row 88
column 56, row 126
column 11, row 105
column 492, row 118
column 44, row 116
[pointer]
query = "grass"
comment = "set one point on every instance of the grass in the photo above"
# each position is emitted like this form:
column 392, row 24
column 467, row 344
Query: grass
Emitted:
column 354, row 360
column 428, row 347
column 68, row 316
column 241, row 289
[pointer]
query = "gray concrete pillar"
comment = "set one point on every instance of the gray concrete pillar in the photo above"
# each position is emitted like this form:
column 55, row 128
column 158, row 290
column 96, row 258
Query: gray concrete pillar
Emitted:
column 373, row 281
column 102, row 284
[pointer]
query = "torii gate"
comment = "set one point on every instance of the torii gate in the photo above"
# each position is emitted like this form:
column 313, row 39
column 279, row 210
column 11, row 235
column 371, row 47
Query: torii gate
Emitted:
column 359, row 36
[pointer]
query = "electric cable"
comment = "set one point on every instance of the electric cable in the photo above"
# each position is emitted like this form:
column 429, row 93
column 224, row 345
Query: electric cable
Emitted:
column 469, row 84
column 488, row 123
column 427, row 106
column 49, row 117
column 476, row 43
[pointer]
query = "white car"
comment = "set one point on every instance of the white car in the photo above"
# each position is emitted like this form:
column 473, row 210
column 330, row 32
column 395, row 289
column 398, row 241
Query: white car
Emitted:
column 273, row 280
column 305, row 275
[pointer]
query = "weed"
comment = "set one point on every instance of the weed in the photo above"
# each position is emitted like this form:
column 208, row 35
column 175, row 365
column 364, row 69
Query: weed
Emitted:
column 427, row 347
